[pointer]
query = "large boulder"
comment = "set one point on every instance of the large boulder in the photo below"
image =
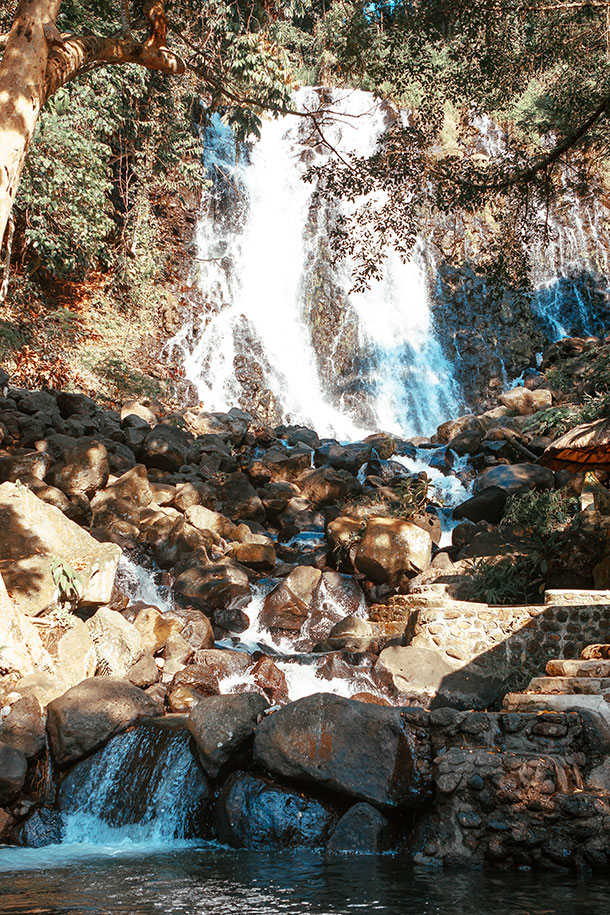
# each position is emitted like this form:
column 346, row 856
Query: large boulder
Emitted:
column 486, row 505
column 433, row 680
column 325, row 486
column 204, row 519
column 223, row 730
column 22, row 650
column 118, row 644
column 514, row 478
column 360, row 831
column 166, row 447
column 280, row 464
column 29, row 526
column 370, row 752
column 155, row 628
column 391, row 548
column 13, row 769
column 287, row 606
column 254, row 813
column 343, row 457
column 83, row 469
column 213, row 586
column 89, row 714
column 239, row 500
column 23, row 728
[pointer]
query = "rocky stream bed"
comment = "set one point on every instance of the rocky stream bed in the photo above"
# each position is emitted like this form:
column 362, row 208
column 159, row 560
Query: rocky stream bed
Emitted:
column 211, row 629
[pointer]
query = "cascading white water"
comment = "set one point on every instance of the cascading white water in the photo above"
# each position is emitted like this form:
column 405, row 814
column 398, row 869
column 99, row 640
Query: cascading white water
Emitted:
column 145, row 786
column 257, row 263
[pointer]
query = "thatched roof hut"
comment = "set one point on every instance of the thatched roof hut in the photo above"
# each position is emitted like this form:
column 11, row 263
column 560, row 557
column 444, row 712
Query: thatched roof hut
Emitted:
column 583, row 448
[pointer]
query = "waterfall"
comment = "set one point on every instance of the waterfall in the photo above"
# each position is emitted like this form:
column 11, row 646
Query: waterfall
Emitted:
column 280, row 330
column 145, row 786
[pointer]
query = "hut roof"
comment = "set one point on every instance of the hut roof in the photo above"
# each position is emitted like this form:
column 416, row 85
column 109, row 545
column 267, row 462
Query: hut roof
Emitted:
column 583, row 448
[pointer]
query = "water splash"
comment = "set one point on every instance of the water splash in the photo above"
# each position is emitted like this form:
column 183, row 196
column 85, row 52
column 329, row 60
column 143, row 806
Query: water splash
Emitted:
column 141, row 585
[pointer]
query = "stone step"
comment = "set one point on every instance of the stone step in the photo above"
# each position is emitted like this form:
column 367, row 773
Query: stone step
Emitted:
column 570, row 686
column 548, row 702
column 578, row 668
column 595, row 652
column 579, row 597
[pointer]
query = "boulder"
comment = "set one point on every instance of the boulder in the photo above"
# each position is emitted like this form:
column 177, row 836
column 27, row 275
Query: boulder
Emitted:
column 144, row 672
column 278, row 464
column 74, row 654
column 211, row 586
column 83, row 470
column 118, row 644
column 360, row 831
column 276, row 496
column 343, row 457
column 155, row 628
column 270, row 680
column 287, row 606
column 454, row 427
column 23, row 728
column 22, row 650
column 326, row 486
column 89, row 714
column 254, row 813
column 44, row 827
column 369, row 752
column 166, row 447
column 204, row 676
column 204, row 519
column 487, row 505
column 13, row 769
column 223, row 730
column 132, row 486
column 522, row 402
column 132, row 408
column 514, row 478
column 188, row 494
column 433, row 680
column 29, row 526
column 260, row 556
column 391, row 548
column 239, row 499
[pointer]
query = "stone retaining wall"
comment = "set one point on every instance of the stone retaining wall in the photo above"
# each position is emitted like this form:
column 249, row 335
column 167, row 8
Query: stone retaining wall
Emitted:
column 510, row 638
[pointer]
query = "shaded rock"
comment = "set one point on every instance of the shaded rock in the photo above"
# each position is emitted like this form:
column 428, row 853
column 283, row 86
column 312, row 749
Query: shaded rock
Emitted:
column 365, row 751
column 280, row 464
column 298, row 516
column 212, row 586
column 29, row 526
column 118, row 644
column 155, row 628
column 83, row 470
column 204, row 676
column 144, row 672
column 325, row 486
column 276, row 496
column 343, row 457
column 44, row 827
column 360, row 831
column 254, row 813
column 431, row 679
column 515, row 478
column 23, row 728
column 166, row 447
column 87, row 715
column 287, row 606
column 13, row 769
column 240, row 500
column 390, row 548
column 487, row 505
column 133, row 408
column 223, row 730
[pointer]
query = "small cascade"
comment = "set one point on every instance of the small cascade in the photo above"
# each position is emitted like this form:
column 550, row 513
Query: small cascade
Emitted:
column 144, row 787
column 281, row 332
column 142, row 585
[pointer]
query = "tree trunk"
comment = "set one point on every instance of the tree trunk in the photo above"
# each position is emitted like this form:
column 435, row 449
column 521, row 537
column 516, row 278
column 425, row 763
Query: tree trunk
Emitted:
column 22, row 93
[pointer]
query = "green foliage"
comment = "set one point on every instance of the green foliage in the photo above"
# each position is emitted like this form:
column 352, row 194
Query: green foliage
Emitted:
column 511, row 580
column 412, row 495
column 552, row 421
column 67, row 580
column 541, row 513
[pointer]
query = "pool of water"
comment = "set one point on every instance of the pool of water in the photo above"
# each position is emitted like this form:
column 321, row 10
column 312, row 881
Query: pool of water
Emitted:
column 209, row 880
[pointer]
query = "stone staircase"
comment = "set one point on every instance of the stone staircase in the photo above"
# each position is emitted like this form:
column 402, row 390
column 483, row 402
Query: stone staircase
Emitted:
column 579, row 684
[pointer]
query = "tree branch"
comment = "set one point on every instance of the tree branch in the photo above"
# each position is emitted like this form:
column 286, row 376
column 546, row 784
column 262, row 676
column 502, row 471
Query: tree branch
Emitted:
column 78, row 52
column 6, row 266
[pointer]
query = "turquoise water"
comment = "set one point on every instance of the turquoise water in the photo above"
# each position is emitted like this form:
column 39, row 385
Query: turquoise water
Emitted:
column 208, row 880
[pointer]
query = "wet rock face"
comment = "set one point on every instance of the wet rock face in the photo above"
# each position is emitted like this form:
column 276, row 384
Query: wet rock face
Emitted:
column 361, row 831
column 13, row 768
column 252, row 812
column 223, row 730
column 364, row 751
